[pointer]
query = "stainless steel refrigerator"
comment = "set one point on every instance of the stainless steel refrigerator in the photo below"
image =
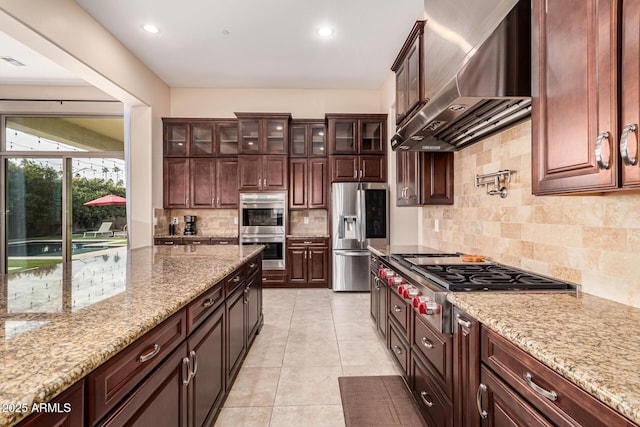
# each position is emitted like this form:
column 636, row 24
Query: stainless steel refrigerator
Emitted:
column 359, row 217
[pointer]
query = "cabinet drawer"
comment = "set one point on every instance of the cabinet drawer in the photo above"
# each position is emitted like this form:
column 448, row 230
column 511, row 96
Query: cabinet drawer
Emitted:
column 229, row 241
column 437, row 350
column 235, row 279
column 72, row 399
column 434, row 405
column 253, row 266
column 572, row 404
column 203, row 306
column 167, row 241
column 399, row 310
column 115, row 379
column 398, row 348
column 198, row 241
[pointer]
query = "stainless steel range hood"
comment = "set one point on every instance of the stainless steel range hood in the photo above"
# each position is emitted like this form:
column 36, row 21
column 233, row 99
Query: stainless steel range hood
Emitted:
column 477, row 71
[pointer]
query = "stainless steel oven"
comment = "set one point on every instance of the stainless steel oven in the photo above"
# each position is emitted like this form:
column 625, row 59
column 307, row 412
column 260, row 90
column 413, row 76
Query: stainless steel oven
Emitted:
column 263, row 213
column 274, row 252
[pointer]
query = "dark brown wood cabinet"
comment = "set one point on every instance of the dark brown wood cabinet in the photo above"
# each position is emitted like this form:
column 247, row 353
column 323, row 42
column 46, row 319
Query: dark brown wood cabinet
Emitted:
column 409, row 74
column 436, row 407
column 408, row 173
column 379, row 296
column 437, row 179
column 263, row 133
column 308, row 179
column 585, row 83
column 358, row 168
column 70, row 410
column 466, row 369
column 226, row 183
column 176, row 183
column 262, row 173
column 308, row 262
column 202, row 175
column 307, row 138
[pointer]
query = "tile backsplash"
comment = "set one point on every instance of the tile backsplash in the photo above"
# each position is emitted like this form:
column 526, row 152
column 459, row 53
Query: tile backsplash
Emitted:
column 592, row 240
column 209, row 222
column 317, row 222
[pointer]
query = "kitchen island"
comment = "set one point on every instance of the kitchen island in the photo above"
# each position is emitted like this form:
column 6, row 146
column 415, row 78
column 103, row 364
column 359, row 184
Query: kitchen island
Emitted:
column 60, row 323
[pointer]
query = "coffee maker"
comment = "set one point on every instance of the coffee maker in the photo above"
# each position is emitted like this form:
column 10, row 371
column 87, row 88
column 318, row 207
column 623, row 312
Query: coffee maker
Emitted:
column 189, row 225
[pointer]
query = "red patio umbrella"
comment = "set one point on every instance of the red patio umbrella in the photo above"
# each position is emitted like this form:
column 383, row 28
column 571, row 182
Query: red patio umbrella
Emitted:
column 109, row 199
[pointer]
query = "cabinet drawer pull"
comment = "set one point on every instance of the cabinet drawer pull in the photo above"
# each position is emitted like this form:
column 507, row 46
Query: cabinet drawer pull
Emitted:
column 223, row 242
column 463, row 322
column 208, row 302
column 481, row 389
column 551, row 395
column 151, row 354
column 168, row 243
column 397, row 309
column 602, row 164
column 428, row 344
column 253, row 265
column 624, row 145
column 397, row 349
column 307, row 243
column 423, row 396
column 236, row 279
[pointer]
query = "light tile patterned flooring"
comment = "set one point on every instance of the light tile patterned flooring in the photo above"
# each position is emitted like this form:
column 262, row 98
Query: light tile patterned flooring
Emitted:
column 309, row 339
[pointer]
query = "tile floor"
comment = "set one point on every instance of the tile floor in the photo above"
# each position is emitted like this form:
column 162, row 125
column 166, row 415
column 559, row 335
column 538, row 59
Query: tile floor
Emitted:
column 309, row 339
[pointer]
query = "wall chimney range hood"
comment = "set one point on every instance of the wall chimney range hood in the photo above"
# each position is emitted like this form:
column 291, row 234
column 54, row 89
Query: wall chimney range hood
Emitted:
column 477, row 72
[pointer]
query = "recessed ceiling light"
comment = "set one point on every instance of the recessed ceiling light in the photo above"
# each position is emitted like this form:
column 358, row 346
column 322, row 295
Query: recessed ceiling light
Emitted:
column 225, row 32
column 150, row 28
column 325, row 31
column 13, row 61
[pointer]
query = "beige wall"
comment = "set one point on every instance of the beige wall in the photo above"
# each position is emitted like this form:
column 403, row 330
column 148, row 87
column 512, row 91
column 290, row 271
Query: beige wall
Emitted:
column 592, row 240
column 222, row 103
column 63, row 32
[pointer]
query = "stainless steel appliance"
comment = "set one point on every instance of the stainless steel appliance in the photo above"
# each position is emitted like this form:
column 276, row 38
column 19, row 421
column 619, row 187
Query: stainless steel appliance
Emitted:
column 427, row 278
column 273, row 257
column 263, row 219
column 263, row 213
column 480, row 80
column 189, row 225
column 359, row 218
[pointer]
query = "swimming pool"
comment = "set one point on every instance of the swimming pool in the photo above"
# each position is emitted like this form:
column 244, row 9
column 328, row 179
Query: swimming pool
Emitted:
column 52, row 248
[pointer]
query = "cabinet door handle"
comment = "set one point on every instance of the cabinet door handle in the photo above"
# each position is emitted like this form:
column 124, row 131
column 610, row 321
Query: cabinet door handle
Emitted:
column 425, row 342
column 259, row 182
column 551, row 395
column 186, row 363
column 602, row 164
column 355, row 174
column 463, row 322
column 428, row 402
column 361, row 173
column 624, row 145
column 194, row 357
column 151, row 354
column 310, row 255
column 397, row 349
column 208, row 302
column 481, row 389
column 397, row 309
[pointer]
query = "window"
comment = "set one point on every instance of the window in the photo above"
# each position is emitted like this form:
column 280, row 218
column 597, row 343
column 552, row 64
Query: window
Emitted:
column 64, row 188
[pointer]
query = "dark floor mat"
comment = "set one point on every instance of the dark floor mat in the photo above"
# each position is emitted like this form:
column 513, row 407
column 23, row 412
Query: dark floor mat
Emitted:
column 378, row 401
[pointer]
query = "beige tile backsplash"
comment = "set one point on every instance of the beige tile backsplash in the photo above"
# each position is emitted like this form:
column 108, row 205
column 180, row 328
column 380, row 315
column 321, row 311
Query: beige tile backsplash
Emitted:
column 592, row 240
column 209, row 222
column 318, row 222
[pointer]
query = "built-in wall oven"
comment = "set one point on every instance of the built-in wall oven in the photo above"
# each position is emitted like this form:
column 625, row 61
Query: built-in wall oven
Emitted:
column 263, row 219
column 263, row 213
column 274, row 251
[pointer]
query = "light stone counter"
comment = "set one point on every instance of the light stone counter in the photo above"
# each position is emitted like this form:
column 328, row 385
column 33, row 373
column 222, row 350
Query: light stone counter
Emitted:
column 59, row 323
column 593, row 342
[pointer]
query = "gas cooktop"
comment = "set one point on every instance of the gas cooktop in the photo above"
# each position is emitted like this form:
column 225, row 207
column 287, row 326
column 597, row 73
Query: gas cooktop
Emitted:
column 450, row 272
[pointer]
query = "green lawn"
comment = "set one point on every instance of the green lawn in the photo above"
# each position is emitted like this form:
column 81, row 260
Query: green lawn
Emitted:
column 24, row 264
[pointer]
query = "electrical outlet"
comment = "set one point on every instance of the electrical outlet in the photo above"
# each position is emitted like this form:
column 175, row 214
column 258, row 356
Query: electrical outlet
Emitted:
column 235, row 220
column 155, row 220
column 305, row 220
column 436, row 225
column 176, row 220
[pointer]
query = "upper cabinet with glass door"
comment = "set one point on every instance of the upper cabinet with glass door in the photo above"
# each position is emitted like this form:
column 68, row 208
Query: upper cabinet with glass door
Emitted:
column 357, row 133
column 176, row 138
column 263, row 133
column 307, row 138
column 226, row 132
column 409, row 74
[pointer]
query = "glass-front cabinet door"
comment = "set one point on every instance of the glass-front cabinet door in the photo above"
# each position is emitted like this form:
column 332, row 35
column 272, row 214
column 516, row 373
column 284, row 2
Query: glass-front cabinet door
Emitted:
column 276, row 140
column 176, row 140
column 344, row 137
column 250, row 136
column 227, row 136
column 372, row 135
column 318, row 141
column 202, row 139
column 298, row 142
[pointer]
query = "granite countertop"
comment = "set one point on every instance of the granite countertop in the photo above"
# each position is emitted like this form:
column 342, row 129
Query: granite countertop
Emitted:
column 59, row 323
column 591, row 341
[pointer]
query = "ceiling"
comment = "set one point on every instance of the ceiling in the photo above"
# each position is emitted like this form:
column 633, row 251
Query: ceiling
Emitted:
column 262, row 43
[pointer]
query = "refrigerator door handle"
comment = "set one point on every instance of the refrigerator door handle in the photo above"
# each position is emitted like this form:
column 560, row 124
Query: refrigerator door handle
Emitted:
column 359, row 215
column 340, row 227
column 362, row 215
